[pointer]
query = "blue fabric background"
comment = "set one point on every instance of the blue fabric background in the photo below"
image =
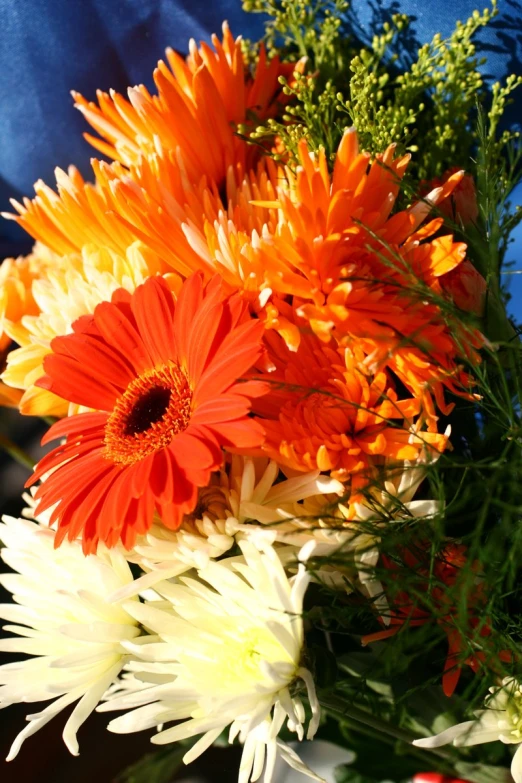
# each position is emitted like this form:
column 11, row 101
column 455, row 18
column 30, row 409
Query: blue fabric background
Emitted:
column 48, row 47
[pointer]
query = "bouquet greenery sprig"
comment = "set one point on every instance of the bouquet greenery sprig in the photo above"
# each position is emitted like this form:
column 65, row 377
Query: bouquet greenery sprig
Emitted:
column 271, row 342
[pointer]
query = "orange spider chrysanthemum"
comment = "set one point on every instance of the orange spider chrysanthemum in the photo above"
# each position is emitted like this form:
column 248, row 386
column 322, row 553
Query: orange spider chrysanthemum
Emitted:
column 16, row 300
column 211, row 89
column 462, row 207
column 171, row 181
column 163, row 378
column 365, row 276
column 182, row 226
column 197, row 227
column 80, row 214
column 326, row 412
column 17, row 303
column 354, row 272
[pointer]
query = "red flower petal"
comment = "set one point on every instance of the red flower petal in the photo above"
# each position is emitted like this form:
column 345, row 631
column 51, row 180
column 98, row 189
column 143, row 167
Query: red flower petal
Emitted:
column 82, row 424
column 82, row 385
column 240, row 434
column 153, row 308
column 117, row 329
column 115, row 369
column 239, row 351
column 436, row 777
column 189, row 301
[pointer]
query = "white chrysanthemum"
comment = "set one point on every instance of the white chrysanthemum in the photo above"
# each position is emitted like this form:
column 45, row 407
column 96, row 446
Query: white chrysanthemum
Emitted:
column 245, row 489
column 227, row 651
column 63, row 620
column 500, row 720
column 393, row 502
column 326, row 527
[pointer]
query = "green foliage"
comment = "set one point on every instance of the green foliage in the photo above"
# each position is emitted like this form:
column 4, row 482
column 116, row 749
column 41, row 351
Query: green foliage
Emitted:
column 431, row 102
column 427, row 108
column 381, row 118
column 390, row 763
column 14, row 451
column 483, row 773
column 311, row 115
column 306, row 29
column 318, row 32
column 498, row 169
column 157, row 767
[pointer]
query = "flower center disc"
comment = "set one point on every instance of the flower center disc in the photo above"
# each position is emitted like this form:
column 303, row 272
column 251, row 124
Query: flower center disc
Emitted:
column 154, row 407
column 148, row 410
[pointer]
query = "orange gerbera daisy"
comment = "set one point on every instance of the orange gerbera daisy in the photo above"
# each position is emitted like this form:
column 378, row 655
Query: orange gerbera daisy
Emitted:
column 63, row 289
column 327, row 412
column 163, row 378
column 211, row 89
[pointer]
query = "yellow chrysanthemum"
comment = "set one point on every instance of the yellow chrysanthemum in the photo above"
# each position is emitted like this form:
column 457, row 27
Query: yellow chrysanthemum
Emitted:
column 16, row 298
column 69, row 288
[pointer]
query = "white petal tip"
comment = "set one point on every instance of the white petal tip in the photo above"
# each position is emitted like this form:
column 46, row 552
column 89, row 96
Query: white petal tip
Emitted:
column 306, row 551
column 425, row 742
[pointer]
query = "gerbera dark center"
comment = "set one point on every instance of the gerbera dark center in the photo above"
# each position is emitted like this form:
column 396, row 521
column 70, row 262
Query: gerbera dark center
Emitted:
column 147, row 410
column 154, row 408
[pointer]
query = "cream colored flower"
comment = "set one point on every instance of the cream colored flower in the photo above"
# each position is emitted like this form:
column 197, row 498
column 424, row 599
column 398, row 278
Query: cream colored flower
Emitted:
column 500, row 720
column 62, row 619
column 247, row 491
column 65, row 288
column 328, row 529
column 392, row 502
column 226, row 652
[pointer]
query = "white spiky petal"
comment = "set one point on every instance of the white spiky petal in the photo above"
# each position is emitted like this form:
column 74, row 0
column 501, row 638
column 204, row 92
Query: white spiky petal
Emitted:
column 246, row 488
column 501, row 720
column 226, row 652
column 63, row 620
column 323, row 525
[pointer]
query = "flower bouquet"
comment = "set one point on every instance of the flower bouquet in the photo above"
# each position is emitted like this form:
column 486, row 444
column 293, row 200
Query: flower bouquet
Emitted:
column 270, row 342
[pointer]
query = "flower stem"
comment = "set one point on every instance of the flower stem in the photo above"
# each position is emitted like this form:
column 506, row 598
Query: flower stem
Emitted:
column 338, row 708
column 16, row 452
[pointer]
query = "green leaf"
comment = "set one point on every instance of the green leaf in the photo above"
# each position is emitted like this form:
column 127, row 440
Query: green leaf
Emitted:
column 158, row 767
column 16, row 452
column 481, row 773
column 324, row 666
column 344, row 774
column 362, row 664
column 376, row 760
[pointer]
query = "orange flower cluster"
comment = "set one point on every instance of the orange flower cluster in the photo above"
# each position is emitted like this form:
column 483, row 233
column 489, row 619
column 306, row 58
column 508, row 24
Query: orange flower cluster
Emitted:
column 302, row 315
